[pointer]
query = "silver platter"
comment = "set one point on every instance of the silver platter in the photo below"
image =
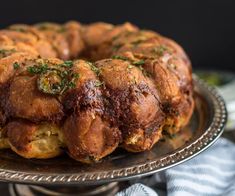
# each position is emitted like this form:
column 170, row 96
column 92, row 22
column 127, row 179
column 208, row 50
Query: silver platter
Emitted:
column 204, row 129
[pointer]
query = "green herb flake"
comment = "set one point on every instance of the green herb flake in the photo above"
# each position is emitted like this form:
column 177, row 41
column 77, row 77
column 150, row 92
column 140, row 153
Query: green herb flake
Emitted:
column 94, row 68
column 49, row 82
column 76, row 75
column 141, row 68
column 159, row 50
column 137, row 42
column 141, row 62
column 145, row 73
column 55, row 80
column 64, row 73
column 117, row 47
column 120, row 57
column 61, row 30
column 67, row 64
column 5, row 53
column 98, row 83
column 71, row 85
column 18, row 29
column 115, row 37
column 16, row 65
column 2, row 51
column 134, row 80
column 33, row 70
column 38, row 69
column 43, row 26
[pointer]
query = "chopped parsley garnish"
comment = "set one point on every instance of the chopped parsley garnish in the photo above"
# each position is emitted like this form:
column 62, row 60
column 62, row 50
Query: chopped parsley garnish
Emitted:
column 67, row 64
column 61, row 30
column 18, row 29
column 141, row 68
column 75, row 75
column 50, row 82
column 98, row 83
column 120, row 57
column 159, row 50
column 5, row 53
column 55, row 79
column 43, row 26
column 134, row 80
column 16, row 65
column 37, row 69
column 4, row 50
column 64, row 73
column 94, row 68
column 71, row 85
column 49, row 26
column 139, row 65
column 145, row 73
column 115, row 37
column 117, row 46
column 141, row 62
column 57, row 82
column 137, row 42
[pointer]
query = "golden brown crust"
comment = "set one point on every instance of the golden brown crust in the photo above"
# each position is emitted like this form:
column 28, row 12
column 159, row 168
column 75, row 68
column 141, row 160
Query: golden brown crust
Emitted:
column 167, row 64
column 4, row 142
column 34, row 141
column 74, row 37
column 92, row 33
column 99, row 36
column 133, row 102
column 32, row 37
column 54, row 34
column 41, row 44
column 85, row 93
column 25, row 101
column 88, row 137
column 139, row 84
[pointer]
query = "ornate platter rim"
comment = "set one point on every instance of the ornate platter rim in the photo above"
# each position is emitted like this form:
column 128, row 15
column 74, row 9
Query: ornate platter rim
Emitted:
column 190, row 150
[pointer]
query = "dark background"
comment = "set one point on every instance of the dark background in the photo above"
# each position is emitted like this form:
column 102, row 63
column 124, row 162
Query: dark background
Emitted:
column 206, row 29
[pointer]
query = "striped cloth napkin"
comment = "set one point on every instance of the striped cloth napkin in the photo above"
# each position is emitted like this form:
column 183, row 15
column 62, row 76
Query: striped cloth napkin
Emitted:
column 211, row 173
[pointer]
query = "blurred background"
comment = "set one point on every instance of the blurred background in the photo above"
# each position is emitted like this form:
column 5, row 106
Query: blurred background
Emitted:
column 206, row 29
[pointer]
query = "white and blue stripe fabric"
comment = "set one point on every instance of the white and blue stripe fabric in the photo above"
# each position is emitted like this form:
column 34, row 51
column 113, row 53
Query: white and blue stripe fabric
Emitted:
column 208, row 174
